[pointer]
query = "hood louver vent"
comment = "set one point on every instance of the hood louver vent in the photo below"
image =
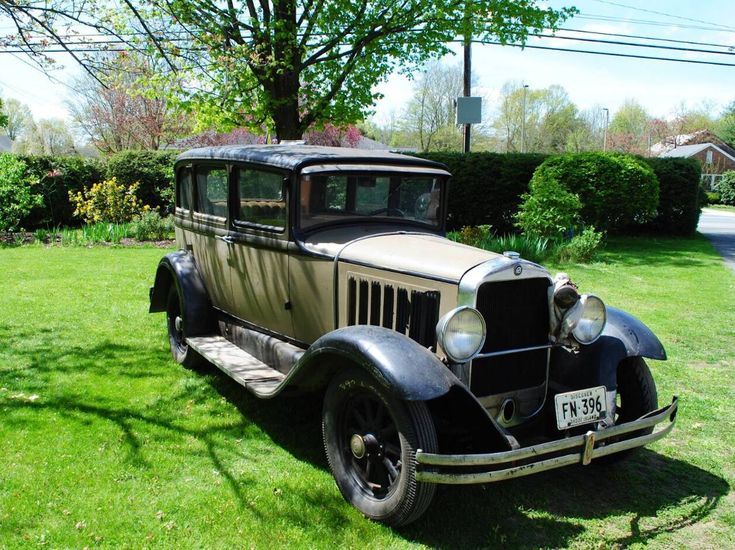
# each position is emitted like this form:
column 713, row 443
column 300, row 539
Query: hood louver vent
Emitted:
column 410, row 312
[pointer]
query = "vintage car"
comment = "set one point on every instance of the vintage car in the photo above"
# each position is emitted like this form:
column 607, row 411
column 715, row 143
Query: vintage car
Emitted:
column 315, row 269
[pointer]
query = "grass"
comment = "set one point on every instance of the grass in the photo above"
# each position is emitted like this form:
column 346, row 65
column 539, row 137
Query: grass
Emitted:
column 105, row 442
column 724, row 207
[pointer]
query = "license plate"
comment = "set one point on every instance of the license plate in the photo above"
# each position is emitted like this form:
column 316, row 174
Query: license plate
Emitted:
column 580, row 407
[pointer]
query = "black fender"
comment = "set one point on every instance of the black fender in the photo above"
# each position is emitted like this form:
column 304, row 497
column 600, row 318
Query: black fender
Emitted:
column 179, row 269
column 596, row 365
column 404, row 367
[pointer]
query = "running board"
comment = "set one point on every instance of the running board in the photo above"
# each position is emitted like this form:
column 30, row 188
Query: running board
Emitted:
column 238, row 364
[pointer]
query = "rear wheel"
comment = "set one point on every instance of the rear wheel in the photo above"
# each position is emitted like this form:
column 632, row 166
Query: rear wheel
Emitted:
column 371, row 438
column 176, row 323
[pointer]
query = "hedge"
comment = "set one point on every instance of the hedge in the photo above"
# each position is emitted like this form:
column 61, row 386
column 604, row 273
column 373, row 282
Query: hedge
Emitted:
column 59, row 175
column 486, row 188
column 679, row 203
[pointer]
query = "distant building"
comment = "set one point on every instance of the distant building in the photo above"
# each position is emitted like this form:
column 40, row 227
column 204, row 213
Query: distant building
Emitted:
column 715, row 155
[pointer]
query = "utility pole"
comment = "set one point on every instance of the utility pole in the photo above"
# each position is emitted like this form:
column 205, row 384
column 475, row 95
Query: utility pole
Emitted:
column 523, row 120
column 607, row 122
column 467, row 77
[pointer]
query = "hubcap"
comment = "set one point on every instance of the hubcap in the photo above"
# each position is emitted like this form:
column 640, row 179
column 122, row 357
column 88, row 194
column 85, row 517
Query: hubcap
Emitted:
column 178, row 323
column 357, row 446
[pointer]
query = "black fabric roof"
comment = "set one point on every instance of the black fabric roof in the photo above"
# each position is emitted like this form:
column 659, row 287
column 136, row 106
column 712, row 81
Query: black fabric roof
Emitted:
column 293, row 157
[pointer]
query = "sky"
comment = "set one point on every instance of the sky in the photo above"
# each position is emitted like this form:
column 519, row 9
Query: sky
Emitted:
column 590, row 80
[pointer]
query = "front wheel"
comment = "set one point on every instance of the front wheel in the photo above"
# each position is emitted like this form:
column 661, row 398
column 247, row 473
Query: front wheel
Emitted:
column 371, row 438
column 636, row 396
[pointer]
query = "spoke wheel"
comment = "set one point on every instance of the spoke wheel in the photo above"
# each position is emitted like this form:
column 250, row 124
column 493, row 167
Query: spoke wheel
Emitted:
column 176, row 323
column 636, row 396
column 371, row 439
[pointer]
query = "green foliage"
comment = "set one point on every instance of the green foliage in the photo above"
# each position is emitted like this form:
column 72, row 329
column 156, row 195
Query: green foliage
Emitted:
column 150, row 226
column 3, row 116
column 726, row 188
column 17, row 192
column 582, row 248
column 57, row 176
column 618, row 192
column 530, row 247
column 713, row 197
column 679, row 202
column 107, row 201
column 152, row 170
column 486, row 188
column 548, row 209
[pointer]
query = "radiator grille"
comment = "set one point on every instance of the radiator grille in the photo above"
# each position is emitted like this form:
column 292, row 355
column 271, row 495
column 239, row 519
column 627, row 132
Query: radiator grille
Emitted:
column 517, row 316
column 411, row 312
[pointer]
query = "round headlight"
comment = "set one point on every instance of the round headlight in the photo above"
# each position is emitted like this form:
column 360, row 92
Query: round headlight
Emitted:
column 461, row 333
column 592, row 322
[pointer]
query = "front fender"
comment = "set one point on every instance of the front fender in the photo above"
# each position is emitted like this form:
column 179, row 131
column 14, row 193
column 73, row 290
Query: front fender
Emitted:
column 404, row 368
column 596, row 365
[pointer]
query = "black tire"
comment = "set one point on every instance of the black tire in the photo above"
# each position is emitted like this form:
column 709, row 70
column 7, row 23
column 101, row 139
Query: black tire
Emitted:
column 636, row 396
column 176, row 324
column 381, row 483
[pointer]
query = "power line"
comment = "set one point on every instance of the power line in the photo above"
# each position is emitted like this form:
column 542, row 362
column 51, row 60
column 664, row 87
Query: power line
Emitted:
column 653, row 38
column 634, row 44
column 611, row 19
column 635, row 8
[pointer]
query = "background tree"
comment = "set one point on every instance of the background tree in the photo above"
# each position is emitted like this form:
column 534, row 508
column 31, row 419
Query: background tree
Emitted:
column 430, row 115
column 116, row 115
column 3, row 116
column 18, row 118
column 725, row 127
column 628, row 131
column 289, row 64
column 46, row 137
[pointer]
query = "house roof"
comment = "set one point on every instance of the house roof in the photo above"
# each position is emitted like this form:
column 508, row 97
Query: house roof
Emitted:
column 686, row 151
column 294, row 157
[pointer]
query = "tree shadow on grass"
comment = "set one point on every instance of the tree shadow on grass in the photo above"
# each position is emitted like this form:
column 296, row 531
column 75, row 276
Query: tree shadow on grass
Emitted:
column 547, row 509
column 687, row 252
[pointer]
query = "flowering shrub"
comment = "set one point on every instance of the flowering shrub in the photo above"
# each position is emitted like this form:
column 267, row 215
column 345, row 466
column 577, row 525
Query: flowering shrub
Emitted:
column 108, row 201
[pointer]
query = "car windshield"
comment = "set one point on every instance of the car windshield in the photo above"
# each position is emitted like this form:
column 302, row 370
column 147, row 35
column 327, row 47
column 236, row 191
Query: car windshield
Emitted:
column 328, row 198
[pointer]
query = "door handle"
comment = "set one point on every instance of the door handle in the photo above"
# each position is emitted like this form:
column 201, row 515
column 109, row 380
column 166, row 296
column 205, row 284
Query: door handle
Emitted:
column 226, row 238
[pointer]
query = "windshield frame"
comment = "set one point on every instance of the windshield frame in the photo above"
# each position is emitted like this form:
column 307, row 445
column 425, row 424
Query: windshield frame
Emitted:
column 391, row 171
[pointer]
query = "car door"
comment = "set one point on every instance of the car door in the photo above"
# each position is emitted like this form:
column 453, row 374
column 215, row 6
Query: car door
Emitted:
column 259, row 251
column 210, row 229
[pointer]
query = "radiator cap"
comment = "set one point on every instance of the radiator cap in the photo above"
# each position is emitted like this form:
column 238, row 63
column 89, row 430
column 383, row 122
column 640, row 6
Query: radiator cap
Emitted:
column 512, row 255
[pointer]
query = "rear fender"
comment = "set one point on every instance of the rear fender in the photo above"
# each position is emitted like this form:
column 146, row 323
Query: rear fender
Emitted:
column 179, row 270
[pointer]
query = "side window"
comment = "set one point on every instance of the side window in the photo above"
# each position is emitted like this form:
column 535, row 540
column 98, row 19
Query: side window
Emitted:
column 212, row 191
column 261, row 196
column 183, row 189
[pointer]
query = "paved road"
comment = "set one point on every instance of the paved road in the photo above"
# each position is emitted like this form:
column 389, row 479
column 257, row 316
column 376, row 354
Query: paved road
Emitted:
column 719, row 227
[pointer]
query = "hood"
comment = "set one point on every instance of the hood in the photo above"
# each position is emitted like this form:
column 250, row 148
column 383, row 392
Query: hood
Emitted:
column 417, row 254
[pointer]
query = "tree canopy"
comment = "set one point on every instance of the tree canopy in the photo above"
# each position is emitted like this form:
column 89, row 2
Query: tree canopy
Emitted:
column 285, row 64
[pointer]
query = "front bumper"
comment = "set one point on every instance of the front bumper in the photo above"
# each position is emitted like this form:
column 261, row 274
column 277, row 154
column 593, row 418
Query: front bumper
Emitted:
column 484, row 468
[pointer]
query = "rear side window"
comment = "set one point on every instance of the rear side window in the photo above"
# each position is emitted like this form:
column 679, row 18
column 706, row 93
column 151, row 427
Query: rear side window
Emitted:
column 183, row 189
column 212, row 191
column 262, row 200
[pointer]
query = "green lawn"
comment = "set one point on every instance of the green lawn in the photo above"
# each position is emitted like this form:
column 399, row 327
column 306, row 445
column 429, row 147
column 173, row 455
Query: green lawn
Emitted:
column 104, row 441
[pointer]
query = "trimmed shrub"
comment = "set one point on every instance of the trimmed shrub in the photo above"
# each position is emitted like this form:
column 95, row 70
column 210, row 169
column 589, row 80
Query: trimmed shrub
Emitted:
column 17, row 192
column 108, row 201
column 618, row 192
column 152, row 170
column 57, row 176
column 486, row 188
column 726, row 188
column 679, row 196
column 548, row 210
